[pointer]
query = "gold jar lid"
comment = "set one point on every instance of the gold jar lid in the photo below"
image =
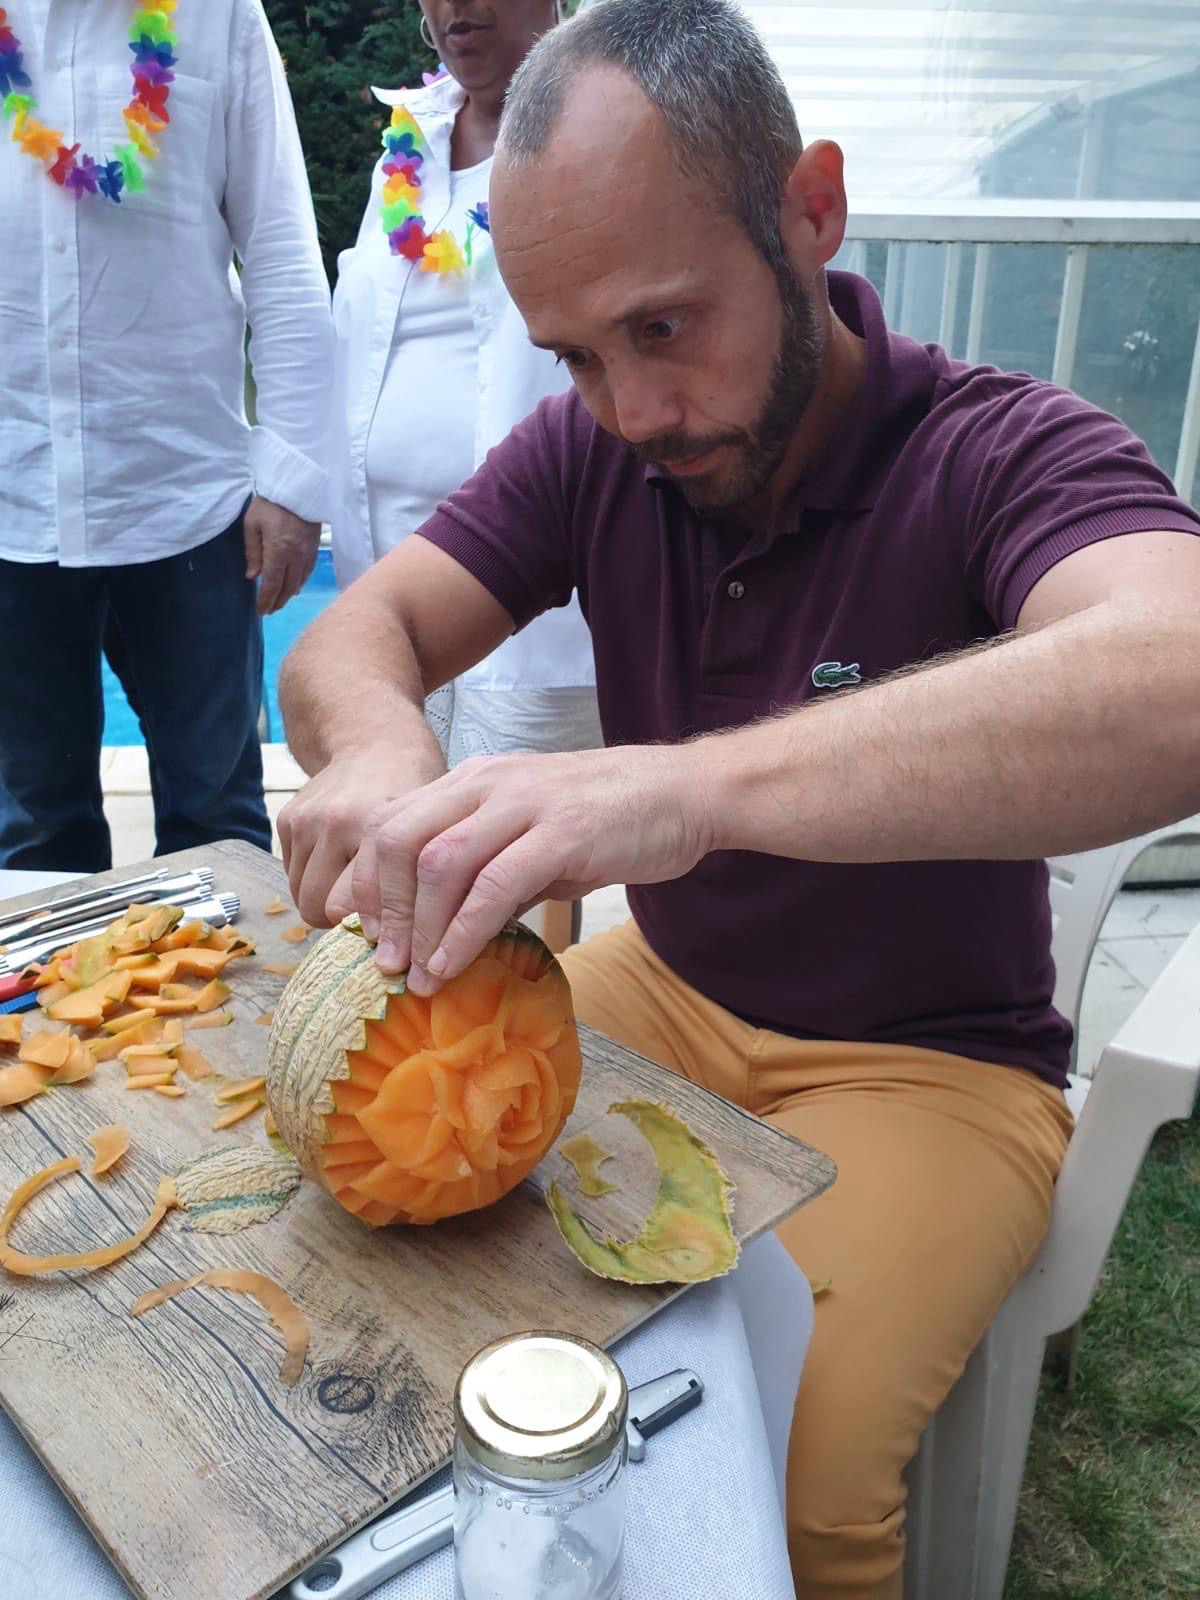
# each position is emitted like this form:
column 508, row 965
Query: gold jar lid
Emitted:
column 540, row 1405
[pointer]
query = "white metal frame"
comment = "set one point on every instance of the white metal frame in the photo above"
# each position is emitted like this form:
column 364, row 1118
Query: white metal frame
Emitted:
column 1075, row 224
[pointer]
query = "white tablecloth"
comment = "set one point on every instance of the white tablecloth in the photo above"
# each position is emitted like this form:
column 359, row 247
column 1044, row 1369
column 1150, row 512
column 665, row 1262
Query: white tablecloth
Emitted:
column 705, row 1507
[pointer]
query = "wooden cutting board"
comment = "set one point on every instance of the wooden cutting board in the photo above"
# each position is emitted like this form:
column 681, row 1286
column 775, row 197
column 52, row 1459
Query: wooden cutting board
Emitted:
column 172, row 1436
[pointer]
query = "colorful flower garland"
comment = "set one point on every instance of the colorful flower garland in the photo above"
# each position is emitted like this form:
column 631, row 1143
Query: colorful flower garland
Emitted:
column 152, row 40
column 400, row 209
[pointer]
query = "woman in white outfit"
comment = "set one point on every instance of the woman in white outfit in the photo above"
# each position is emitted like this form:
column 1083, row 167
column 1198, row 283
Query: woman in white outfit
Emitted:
column 434, row 367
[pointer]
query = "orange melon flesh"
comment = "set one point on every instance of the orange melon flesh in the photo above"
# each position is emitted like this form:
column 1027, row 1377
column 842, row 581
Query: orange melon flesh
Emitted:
column 21, row 1082
column 110, row 1144
column 425, row 1107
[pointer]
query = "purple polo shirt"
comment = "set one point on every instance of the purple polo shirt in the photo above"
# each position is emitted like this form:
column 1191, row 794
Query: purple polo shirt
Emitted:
column 951, row 491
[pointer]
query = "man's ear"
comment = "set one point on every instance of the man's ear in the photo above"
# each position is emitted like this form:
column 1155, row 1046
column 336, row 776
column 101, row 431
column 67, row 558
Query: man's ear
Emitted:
column 812, row 218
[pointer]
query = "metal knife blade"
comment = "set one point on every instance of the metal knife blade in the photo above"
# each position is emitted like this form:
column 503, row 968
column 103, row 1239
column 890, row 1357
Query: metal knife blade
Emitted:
column 198, row 903
column 400, row 1539
column 109, row 898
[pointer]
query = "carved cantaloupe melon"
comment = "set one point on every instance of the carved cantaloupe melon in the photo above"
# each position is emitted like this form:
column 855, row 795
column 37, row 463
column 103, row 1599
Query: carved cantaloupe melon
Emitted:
column 410, row 1109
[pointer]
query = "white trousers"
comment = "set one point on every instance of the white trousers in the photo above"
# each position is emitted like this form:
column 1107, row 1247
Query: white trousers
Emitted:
column 500, row 722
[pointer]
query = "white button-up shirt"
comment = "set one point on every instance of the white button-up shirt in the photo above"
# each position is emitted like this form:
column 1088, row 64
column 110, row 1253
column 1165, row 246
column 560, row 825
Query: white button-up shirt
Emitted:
column 123, row 433
column 512, row 376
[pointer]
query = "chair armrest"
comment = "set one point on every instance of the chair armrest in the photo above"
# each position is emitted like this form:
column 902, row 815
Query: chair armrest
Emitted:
column 1148, row 1075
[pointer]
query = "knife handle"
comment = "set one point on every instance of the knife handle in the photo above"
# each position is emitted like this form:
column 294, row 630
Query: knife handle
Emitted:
column 380, row 1550
column 26, row 1000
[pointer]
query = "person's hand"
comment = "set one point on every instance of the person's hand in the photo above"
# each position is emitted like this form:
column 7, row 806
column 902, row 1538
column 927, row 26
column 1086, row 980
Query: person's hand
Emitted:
column 439, row 871
column 281, row 548
column 322, row 826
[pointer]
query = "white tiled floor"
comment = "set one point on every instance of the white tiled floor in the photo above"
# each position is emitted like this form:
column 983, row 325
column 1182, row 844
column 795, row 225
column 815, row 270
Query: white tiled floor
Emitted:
column 1143, row 930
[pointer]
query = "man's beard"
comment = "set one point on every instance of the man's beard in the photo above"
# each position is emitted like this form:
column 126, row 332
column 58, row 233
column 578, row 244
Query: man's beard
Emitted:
column 753, row 453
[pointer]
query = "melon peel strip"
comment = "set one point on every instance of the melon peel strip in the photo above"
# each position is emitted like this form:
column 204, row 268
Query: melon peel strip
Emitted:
column 688, row 1237
column 23, row 1265
column 279, row 1306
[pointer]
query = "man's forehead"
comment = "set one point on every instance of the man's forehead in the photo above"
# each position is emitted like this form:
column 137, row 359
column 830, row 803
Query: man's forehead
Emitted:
column 601, row 102
column 609, row 136
column 597, row 227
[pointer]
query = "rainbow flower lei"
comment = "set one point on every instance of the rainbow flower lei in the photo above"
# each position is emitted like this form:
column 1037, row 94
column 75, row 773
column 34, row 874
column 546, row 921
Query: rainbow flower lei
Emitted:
column 152, row 40
column 400, row 209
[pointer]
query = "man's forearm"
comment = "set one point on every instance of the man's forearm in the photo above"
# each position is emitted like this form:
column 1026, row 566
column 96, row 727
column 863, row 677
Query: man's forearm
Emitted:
column 352, row 684
column 1083, row 732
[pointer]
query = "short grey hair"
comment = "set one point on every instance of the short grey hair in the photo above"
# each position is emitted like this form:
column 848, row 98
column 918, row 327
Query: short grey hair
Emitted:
column 705, row 68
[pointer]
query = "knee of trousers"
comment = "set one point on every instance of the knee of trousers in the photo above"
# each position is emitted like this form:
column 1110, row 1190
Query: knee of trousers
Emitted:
column 845, row 1508
column 858, row 1559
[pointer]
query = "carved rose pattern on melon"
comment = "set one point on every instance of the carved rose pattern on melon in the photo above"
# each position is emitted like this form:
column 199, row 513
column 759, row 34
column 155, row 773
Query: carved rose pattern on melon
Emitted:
column 410, row 1109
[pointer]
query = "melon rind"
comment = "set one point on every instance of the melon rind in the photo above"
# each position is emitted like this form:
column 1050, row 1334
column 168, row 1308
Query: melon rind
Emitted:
column 688, row 1236
column 309, row 1038
column 323, row 1014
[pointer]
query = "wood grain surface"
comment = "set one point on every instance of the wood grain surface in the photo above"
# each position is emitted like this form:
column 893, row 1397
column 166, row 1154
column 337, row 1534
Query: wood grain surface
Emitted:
column 203, row 1478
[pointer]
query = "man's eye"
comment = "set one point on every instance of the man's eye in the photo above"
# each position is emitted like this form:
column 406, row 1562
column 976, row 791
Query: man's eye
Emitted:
column 574, row 360
column 663, row 328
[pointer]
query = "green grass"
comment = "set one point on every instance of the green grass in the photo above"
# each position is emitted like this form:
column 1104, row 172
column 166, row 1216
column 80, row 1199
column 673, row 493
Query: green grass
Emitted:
column 1111, row 1504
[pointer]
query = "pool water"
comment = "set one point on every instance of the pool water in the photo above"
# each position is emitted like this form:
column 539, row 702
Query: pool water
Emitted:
column 280, row 632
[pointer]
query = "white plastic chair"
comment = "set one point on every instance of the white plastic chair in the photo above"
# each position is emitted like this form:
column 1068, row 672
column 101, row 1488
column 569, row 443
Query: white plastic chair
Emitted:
column 966, row 1478
column 1082, row 888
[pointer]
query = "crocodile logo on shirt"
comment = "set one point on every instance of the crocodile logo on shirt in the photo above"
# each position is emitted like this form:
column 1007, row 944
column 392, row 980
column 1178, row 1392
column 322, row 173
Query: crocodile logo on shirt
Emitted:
column 832, row 675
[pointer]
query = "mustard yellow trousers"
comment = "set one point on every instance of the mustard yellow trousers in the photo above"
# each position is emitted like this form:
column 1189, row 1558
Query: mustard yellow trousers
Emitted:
column 946, row 1168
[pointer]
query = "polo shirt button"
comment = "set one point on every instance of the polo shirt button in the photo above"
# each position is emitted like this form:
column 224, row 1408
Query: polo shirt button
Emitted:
column 736, row 590
column 60, row 246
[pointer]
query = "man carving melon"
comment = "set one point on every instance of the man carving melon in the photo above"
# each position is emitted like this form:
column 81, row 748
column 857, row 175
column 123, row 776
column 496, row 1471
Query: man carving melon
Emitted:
column 839, row 902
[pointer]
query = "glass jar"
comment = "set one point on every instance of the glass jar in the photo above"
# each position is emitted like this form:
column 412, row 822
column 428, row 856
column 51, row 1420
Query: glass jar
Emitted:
column 539, row 1471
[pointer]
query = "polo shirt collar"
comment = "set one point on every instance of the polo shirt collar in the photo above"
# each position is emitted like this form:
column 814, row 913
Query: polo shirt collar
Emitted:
column 898, row 379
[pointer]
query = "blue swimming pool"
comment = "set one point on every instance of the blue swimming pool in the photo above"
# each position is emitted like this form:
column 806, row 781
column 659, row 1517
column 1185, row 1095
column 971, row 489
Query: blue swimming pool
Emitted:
column 280, row 632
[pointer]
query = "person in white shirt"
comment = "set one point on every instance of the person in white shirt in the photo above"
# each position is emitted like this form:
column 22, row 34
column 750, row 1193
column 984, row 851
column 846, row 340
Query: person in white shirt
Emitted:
column 142, row 516
column 434, row 366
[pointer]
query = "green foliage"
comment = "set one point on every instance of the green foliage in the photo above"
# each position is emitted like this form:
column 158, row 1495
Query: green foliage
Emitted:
column 334, row 50
column 1111, row 1504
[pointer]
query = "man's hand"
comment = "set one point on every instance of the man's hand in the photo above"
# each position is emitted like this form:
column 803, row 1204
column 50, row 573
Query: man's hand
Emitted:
column 322, row 826
column 441, row 870
column 281, row 548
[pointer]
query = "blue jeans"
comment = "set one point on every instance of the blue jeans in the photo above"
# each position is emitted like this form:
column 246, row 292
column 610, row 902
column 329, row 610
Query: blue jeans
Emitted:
column 184, row 637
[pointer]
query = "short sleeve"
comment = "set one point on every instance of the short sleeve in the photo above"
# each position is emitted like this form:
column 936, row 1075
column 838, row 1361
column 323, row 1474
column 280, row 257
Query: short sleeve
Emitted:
column 1042, row 474
column 511, row 523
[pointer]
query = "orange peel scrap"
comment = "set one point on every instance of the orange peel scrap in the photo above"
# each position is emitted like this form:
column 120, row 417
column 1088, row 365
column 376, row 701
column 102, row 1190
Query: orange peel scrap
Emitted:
column 24, row 1265
column 110, row 1144
column 47, row 1048
column 213, row 994
column 80, row 1064
column 242, row 1108
column 234, row 1091
column 21, row 1082
column 279, row 1306
column 210, row 1019
column 191, row 1062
